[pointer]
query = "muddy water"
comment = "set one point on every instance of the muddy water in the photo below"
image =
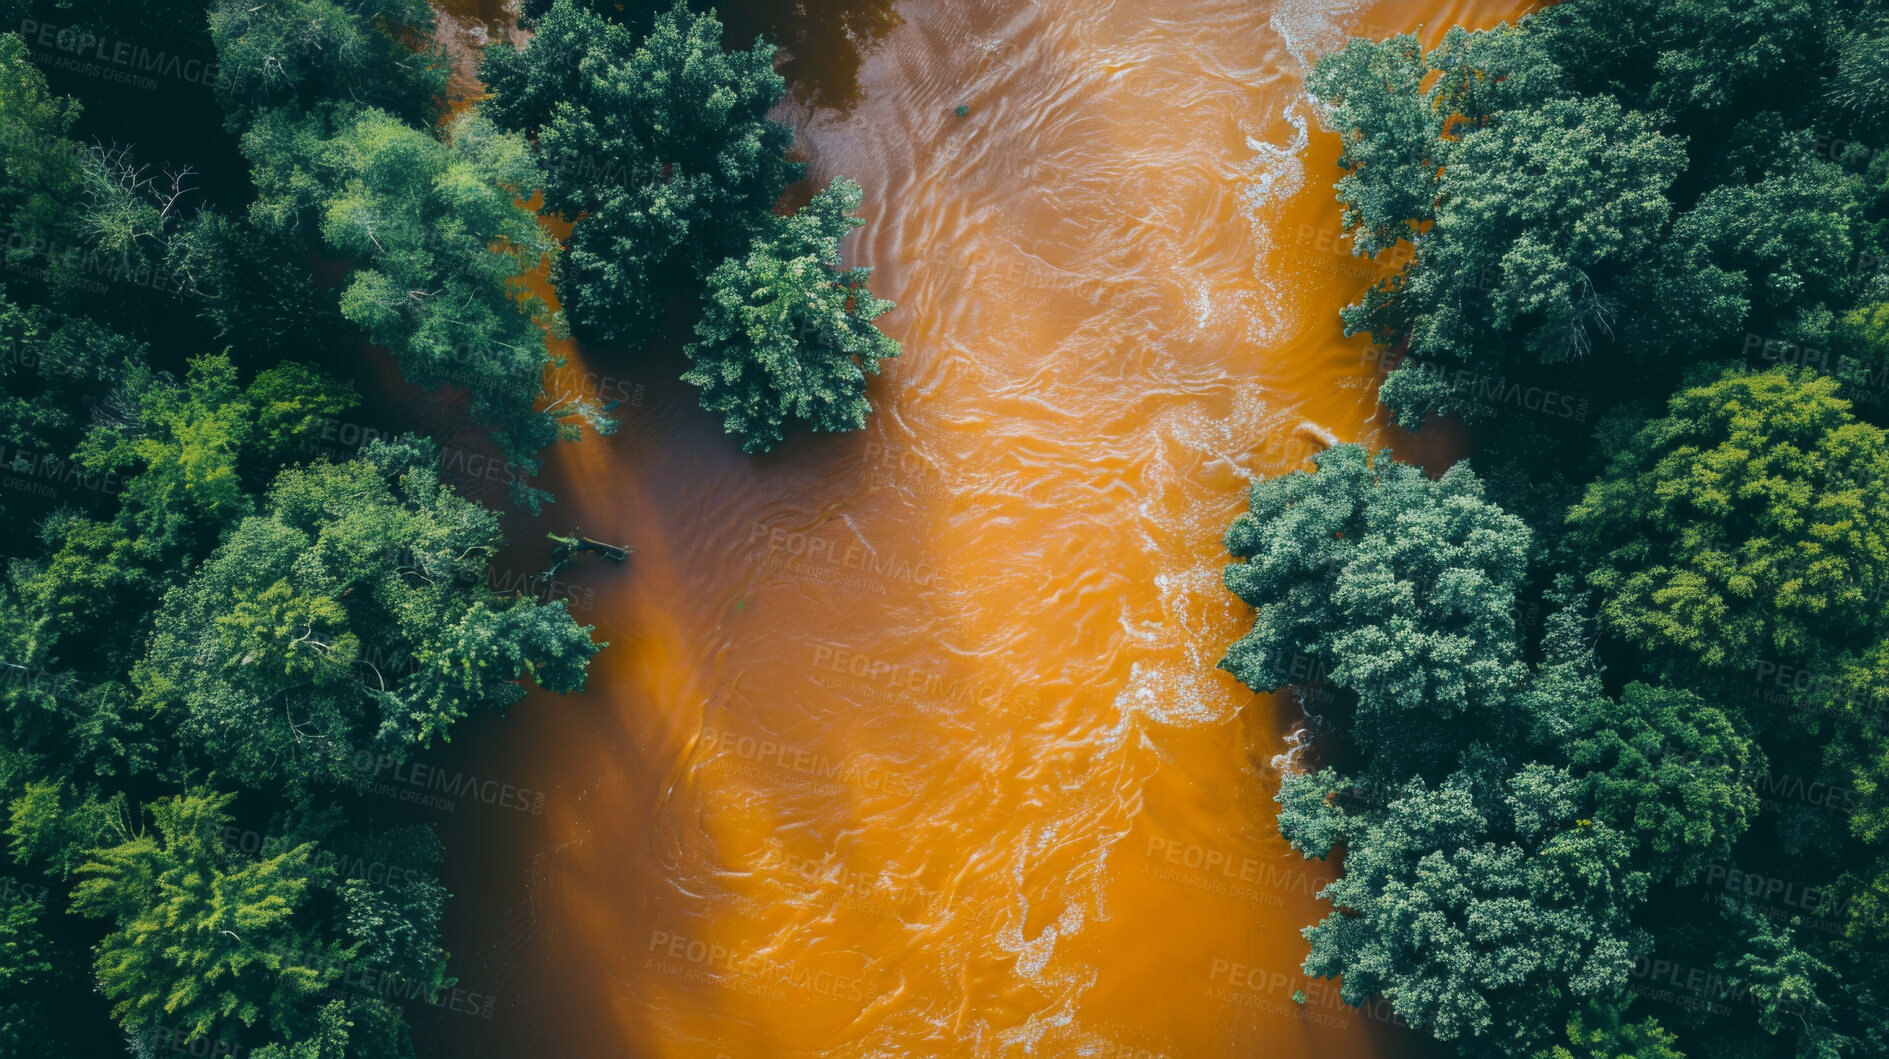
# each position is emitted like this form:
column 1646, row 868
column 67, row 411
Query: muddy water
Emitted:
column 910, row 743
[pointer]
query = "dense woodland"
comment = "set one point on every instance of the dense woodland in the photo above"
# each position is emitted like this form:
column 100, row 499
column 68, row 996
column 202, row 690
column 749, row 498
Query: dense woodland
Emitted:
column 217, row 637
column 1602, row 739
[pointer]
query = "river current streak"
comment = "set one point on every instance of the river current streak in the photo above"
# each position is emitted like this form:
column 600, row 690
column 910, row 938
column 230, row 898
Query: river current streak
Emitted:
column 910, row 742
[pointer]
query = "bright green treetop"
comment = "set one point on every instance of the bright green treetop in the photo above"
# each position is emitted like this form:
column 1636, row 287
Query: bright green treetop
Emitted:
column 1600, row 1030
column 422, row 218
column 350, row 614
column 24, row 969
column 1751, row 520
column 439, row 239
column 197, row 931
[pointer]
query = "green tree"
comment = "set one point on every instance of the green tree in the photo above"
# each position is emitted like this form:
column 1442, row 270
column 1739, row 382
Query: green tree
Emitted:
column 258, row 292
column 351, row 613
column 298, row 54
column 40, row 170
column 1751, row 519
column 1392, row 130
column 1864, row 333
column 1658, row 764
column 197, row 932
column 1400, row 112
column 55, row 831
column 440, row 240
column 1526, row 204
column 183, row 448
column 1861, row 83
column 1784, row 243
column 660, row 153
column 188, row 455
column 25, row 966
column 1556, row 201
column 1669, row 770
column 1400, row 587
column 1482, row 908
column 1601, row 1031
column 1699, row 59
column 1797, row 993
column 180, row 450
column 54, row 374
column 787, row 337
column 1717, row 51
column 392, row 922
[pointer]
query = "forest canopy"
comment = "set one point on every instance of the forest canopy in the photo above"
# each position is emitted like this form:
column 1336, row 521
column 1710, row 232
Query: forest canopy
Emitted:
column 1674, row 211
column 216, row 625
column 215, row 621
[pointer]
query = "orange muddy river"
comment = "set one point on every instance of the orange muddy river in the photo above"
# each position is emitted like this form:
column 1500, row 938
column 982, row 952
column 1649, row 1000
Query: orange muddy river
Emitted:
column 910, row 742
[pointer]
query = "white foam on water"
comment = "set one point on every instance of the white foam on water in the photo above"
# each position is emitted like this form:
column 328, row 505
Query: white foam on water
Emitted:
column 1275, row 173
column 1311, row 28
column 1296, row 742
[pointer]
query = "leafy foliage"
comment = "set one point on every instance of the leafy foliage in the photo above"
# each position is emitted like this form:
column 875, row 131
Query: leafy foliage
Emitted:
column 300, row 53
column 1478, row 908
column 787, row 336
column 265, row 652
column 659, row 152
column 1601, row 1031
column 1667, row 769
column 439, row 239
column 40, row 169
column 206, row 606
column 1612, row 197
column 1752, row 518
column 1403, row 588
column 194, row 926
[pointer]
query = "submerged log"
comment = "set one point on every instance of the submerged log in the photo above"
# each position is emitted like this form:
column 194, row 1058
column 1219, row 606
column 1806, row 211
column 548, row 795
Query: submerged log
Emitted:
column 574, row 544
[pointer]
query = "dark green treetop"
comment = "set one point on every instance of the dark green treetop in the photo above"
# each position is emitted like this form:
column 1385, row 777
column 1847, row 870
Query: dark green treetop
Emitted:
column 1401, row 587
column 299, row 53
column 659, row 152
column 1482, row 908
